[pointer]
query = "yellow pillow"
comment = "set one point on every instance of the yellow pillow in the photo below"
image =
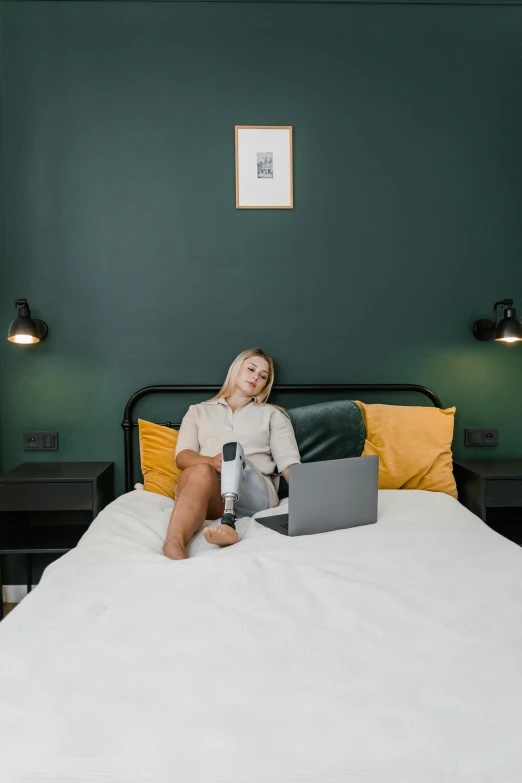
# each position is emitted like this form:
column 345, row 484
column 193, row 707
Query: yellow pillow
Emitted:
column 157, row 449
column 413, row 445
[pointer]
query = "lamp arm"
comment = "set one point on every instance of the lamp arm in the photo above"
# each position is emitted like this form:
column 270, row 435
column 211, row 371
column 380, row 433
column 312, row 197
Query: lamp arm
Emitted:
column 22, row 306
column 502, row 303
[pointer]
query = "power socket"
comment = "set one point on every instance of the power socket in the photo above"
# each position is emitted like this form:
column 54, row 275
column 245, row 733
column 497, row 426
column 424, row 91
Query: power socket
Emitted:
column 40, row 441
column 487, row 436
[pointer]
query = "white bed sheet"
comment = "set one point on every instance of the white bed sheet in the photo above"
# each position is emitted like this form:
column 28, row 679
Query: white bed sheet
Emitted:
column 390, row 653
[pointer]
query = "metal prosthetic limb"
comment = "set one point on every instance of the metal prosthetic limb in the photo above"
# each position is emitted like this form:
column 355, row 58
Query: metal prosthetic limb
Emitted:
column 233, row 462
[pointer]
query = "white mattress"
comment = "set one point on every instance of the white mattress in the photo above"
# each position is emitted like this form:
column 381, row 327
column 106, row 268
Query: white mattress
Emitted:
column 388, row 654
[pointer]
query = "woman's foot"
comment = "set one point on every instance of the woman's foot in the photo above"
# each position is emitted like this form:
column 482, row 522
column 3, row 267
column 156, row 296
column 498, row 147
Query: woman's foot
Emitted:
column 174, row 549
column 224, row 535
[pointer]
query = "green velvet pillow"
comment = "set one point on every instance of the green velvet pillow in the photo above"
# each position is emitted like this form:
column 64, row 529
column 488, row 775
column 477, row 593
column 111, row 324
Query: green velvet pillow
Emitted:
column 328, row 430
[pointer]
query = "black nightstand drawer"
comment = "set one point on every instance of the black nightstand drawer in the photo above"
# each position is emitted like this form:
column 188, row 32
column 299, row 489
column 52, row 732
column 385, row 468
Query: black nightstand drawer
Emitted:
column 52, row 496
column 503, row 493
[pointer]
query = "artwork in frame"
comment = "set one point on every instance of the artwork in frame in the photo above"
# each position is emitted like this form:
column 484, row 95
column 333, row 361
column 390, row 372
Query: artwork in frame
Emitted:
column 264, row 169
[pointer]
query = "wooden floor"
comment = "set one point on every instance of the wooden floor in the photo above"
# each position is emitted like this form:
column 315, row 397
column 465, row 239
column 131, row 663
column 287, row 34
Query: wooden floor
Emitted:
column 8, row 607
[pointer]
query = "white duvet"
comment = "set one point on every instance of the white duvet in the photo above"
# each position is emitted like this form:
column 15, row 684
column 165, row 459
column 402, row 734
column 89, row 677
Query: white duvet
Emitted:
column 390, row 653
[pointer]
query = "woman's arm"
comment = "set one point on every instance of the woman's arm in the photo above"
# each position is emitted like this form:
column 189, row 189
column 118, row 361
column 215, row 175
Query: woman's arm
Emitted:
column 187, row 458
column 283, row 444
column 187, row 449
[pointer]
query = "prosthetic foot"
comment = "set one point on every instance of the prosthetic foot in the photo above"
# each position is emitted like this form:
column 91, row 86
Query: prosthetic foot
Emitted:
column 233, row 461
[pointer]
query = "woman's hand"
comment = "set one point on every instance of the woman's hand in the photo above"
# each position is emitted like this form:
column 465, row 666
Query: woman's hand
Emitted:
column 216, row 462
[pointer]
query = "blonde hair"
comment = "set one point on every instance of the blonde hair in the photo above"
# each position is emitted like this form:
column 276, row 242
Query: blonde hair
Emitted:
column 230, row 381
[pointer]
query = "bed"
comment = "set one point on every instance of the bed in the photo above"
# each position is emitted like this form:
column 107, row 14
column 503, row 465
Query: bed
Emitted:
column 384, row 653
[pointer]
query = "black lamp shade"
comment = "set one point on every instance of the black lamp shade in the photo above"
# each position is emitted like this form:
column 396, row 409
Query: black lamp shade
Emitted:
column 25, row 330
column 509, row 330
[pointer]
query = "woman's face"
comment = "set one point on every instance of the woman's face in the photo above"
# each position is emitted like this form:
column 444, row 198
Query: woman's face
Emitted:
column 252, row 376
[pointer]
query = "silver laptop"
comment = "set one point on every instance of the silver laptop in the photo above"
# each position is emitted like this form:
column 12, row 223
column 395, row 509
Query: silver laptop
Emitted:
column 331, row 495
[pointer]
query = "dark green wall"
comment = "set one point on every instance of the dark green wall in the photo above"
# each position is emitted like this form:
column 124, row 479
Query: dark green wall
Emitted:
column 118, row 204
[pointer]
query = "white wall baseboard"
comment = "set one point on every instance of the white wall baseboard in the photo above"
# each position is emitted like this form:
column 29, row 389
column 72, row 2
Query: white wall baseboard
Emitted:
column 13, row 594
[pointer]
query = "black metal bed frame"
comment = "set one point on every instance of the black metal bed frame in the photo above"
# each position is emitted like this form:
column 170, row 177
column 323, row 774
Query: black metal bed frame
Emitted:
column 128, row 424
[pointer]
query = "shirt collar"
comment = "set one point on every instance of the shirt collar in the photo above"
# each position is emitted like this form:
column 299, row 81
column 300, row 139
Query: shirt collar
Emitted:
column 222, row 401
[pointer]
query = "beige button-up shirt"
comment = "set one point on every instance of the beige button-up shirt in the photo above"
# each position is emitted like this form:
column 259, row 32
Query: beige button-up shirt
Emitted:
column 265, row 433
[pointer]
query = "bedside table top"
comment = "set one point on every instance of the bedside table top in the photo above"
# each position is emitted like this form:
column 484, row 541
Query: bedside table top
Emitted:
column 494, row 468
column 55, row 471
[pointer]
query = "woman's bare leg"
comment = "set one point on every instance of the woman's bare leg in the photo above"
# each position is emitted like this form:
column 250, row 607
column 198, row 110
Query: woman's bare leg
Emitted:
column 198, row 498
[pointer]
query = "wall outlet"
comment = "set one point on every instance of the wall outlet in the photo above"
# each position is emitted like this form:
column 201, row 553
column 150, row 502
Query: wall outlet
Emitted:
column 487, row 436
column 490, row 436
column 40, row 441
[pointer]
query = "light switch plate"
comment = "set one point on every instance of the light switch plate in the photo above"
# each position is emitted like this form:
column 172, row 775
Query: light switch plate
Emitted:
column 40, row 441
column 486, row 436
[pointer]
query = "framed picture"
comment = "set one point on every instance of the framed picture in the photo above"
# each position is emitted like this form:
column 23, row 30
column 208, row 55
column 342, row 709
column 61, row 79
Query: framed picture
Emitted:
column 264, row 175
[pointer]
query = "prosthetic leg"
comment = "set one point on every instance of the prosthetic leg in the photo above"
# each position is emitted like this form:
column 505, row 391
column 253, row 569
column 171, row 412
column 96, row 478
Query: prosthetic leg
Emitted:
column 233, row 462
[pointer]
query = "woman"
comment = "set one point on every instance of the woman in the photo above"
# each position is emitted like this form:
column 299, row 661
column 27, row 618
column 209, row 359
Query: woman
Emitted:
column 239, row 412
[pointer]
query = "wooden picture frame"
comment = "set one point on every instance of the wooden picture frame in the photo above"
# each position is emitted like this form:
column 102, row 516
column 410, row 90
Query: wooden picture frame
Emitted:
column 264, row 167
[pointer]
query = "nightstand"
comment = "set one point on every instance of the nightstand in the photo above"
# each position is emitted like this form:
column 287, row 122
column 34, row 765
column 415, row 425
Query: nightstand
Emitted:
column 46, row 507
column 492, row 489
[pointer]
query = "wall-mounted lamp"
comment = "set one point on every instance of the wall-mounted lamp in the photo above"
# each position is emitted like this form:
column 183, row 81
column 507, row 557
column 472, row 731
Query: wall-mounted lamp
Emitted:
column 508, row 330
column 25, row 330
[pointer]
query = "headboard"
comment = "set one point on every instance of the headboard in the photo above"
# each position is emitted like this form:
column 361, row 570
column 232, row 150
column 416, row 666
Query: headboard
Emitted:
column 207, row 391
